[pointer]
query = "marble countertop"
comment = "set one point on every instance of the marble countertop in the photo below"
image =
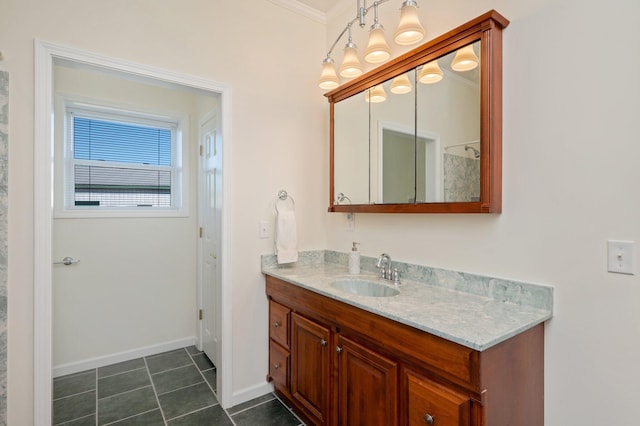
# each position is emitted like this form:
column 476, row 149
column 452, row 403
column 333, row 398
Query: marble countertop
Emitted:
column 475, row 321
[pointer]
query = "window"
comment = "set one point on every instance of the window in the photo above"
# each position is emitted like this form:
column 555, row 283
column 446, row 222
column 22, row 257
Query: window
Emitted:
column 118, row 160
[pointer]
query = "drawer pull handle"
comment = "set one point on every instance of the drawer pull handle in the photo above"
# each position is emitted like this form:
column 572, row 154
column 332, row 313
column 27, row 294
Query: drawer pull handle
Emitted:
column 276, row 324
column 276, row 366
column 323, row 342
column 338, row 349
column 428, row 418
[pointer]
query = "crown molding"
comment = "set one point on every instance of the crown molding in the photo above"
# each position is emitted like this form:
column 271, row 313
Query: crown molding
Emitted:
column 302, row 9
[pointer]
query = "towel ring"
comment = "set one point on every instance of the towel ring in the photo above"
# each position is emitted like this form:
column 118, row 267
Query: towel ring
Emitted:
column 283, row 196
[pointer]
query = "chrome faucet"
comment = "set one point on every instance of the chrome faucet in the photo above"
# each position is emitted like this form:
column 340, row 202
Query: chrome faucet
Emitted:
column 386, row 272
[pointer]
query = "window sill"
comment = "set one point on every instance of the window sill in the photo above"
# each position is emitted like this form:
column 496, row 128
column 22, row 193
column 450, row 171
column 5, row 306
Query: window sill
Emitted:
column 119, row 213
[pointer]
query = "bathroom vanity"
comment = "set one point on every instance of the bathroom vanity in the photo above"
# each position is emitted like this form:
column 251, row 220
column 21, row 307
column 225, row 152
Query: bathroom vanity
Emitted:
column 424, row 355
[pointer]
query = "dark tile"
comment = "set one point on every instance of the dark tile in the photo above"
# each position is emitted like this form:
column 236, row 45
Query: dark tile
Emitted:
column 271, row 413
column 209, row 416
column 210, row 376
column 252, row 403
column 168, row 361
column 177, row 378
column 121, row 367
column 74, row 383
column 186, row 400
column 123, row 382
column 125, row 405
column 74, row 407
column 150, row 418
column 89, row 420
column 202, row 361
column 193, row 350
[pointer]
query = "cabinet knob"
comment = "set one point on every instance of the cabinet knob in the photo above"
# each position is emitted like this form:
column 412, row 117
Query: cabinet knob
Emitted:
column 323, row 342
column 428, row 418
column 276, row 365
column 276, row 324
column 338, row 349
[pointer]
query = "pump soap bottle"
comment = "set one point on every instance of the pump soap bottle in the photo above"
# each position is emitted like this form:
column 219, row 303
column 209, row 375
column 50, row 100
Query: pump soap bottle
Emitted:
column 354, row 260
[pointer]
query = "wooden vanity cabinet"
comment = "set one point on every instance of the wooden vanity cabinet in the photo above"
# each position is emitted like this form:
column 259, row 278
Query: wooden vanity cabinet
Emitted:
column 346, row 366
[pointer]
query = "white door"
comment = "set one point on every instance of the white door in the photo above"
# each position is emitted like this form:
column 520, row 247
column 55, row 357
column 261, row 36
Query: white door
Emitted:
column 210, row 222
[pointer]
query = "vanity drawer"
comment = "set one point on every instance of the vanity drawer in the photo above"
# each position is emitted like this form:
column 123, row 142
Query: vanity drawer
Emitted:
column 279, row 365
column 279, row 323
column 430, row 403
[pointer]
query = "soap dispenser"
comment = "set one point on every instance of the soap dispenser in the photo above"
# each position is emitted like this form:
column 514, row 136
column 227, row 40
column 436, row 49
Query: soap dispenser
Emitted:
column 354, row 260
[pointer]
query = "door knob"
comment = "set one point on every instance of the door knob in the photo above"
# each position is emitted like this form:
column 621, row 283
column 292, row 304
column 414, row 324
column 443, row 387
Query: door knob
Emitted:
column 67, row 261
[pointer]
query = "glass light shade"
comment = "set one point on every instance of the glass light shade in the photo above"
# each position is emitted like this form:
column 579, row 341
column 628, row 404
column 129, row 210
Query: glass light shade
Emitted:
column 328, row 78
column 351, row 66
column 376, row 94
column 431, row 73
column 378, row 49
column 409, row 31
column 465, row 59
column 401, row 85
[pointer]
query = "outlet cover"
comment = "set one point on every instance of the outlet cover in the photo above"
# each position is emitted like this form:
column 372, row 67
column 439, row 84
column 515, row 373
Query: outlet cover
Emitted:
column 620, row 257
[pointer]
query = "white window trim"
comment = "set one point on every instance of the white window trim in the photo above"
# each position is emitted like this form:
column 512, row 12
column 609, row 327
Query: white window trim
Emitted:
column 97, row 108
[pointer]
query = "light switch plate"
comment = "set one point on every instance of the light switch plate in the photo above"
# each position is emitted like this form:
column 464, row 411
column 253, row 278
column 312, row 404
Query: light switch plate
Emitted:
column 621, row 255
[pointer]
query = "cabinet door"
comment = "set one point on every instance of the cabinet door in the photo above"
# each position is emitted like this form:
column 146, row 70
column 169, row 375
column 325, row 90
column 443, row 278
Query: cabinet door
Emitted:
column 310, row 366
column 367, row 386
column 430, row 403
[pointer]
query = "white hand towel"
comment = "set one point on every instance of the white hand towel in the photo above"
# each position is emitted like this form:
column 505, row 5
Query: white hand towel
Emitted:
column 286, row 235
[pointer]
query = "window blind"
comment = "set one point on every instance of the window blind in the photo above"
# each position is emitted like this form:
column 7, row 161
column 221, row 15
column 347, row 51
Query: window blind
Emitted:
column 122, row 165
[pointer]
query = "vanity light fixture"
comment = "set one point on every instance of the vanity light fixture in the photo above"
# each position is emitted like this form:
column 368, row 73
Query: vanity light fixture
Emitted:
column 465, row 59
column 376, row 94
column 351, row 66
column 431, row 73
column 377, row 49
column 401, row 85
column 328, row 79
column 409, row 31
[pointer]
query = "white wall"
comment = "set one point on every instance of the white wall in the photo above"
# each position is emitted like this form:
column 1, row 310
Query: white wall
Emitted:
column 136, row 283
column 570, row 174
column 268, row 55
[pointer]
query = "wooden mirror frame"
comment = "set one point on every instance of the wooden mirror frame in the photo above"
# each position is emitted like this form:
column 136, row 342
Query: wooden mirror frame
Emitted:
column 487, row 29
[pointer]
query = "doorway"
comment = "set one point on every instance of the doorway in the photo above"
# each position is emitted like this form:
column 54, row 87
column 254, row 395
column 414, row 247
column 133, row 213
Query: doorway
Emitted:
column 46, row 57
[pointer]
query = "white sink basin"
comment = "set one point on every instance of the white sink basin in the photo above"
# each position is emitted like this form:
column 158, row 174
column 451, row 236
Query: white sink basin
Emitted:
column 364, row 287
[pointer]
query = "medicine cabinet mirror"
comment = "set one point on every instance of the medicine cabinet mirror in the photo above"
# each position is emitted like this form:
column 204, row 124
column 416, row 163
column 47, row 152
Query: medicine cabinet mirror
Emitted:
column 423, row 132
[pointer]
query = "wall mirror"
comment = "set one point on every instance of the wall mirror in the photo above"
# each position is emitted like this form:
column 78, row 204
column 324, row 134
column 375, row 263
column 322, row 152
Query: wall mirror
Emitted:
column 423, row 132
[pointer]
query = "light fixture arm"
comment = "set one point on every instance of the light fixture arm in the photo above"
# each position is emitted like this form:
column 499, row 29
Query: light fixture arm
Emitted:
column 362, row 12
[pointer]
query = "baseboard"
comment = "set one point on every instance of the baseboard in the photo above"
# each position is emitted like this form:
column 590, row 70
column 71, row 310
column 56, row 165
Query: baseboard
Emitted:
column 101, row 361
column 247, row 394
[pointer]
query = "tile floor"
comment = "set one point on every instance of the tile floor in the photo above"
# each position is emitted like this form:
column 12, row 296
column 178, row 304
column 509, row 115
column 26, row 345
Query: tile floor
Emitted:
column 171, row 388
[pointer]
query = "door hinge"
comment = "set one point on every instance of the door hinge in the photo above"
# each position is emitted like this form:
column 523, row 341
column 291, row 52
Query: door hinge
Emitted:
column 201, row 150
column 201, row 232
column 200, row 314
